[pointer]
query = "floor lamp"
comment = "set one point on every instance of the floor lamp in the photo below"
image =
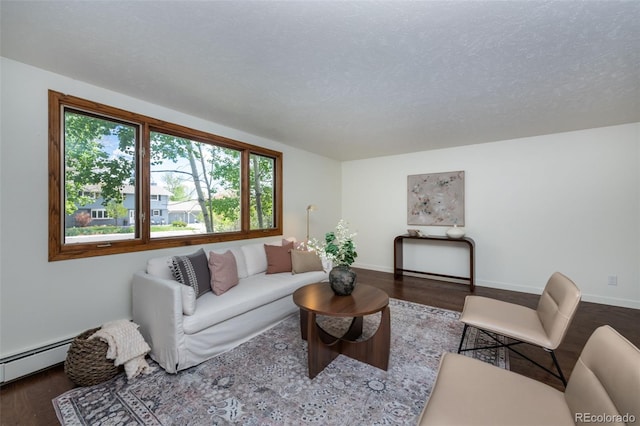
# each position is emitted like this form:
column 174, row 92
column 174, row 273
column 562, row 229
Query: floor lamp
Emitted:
column 310, row 208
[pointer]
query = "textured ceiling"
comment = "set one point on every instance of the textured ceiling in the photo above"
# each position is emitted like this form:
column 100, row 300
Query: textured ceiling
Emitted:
column 351, row 80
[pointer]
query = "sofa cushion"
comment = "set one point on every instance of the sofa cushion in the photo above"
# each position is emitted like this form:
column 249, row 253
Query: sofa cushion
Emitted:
column 224, row 271
column 193, row 270
column 188, row 299
column 162, row 267
column 279, row 257
column 250, row 293
column 305, row 261
column 241, row 264
column 255, row 258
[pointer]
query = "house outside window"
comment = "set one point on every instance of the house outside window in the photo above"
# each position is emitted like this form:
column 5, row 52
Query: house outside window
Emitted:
column 89, row 194
column 127, row 215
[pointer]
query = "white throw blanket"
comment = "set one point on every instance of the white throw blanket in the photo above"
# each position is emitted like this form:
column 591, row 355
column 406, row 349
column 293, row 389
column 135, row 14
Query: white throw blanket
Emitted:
column 126, row 346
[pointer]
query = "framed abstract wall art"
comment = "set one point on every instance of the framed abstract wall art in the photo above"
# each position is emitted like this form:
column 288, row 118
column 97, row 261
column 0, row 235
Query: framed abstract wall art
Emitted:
column 436, row 199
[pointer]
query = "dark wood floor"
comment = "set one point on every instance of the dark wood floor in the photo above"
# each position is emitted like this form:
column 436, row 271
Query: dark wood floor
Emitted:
column 28, row 401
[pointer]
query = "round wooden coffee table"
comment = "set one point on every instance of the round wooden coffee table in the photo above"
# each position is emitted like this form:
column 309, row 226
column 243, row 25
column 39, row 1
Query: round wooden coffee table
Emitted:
column 323, row 347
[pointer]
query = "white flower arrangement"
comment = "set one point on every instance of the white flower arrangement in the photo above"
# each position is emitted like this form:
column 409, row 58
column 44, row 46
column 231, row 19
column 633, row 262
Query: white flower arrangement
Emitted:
column 338, row 246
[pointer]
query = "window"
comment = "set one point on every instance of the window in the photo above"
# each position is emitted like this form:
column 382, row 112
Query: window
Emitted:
column 208, row 175
column 99, row 214
column 124, row 182
column 262, row 195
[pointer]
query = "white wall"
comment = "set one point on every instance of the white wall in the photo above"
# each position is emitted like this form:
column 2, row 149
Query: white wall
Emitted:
column 44, row 302
column 566, row 202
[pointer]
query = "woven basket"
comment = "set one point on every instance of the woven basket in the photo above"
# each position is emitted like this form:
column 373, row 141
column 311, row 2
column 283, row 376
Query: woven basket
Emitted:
column 87, row 362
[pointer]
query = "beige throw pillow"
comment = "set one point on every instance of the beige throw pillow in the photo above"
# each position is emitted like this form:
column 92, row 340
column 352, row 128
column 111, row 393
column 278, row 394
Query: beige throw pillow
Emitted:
column 305, row 261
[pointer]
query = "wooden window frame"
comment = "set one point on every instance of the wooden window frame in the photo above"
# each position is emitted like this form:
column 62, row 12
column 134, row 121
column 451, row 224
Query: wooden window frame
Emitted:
column 58, row 250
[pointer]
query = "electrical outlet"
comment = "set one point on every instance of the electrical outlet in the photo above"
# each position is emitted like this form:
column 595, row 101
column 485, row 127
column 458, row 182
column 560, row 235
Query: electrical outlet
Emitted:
column 612, row 280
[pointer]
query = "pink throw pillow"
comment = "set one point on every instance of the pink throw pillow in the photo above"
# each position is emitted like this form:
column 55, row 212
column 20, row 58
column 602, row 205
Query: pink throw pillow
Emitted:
column 278, row 258
column 297, row 245
column 224, row 271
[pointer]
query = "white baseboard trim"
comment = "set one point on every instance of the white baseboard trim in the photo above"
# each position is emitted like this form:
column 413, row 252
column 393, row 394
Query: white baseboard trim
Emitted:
column 17, row 366
column 510, row 287
column 586, row 297
column 372, row 267
column 623, row 303
column 613, row 301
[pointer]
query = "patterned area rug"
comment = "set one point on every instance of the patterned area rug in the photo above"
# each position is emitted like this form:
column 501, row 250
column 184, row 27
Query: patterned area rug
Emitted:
column 264, row 381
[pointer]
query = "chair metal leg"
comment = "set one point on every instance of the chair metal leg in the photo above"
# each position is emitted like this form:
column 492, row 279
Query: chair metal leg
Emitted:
column 500, row 344
column 464, row 333
column 555, row 361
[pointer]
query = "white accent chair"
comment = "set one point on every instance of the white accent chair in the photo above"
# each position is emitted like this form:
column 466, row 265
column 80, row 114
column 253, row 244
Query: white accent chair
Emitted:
column 604, row 388
column 545, row 326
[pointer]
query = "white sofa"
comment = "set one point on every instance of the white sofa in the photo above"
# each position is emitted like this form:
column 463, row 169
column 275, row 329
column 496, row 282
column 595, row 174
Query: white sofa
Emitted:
column 184, row 332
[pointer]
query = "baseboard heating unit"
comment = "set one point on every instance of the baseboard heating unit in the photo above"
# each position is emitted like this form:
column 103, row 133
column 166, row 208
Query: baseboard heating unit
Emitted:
column 29, row 362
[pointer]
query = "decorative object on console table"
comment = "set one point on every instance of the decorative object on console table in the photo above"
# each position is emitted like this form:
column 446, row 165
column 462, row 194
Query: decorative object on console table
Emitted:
column 340, row 249
column 436, row 199
column 414, row 232
column 455, row 232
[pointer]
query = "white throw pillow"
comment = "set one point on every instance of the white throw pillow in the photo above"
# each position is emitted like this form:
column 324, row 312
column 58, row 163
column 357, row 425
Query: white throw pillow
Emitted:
column 240, row 262
column 255, row 257
column 161, row 267
column 188, row 299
